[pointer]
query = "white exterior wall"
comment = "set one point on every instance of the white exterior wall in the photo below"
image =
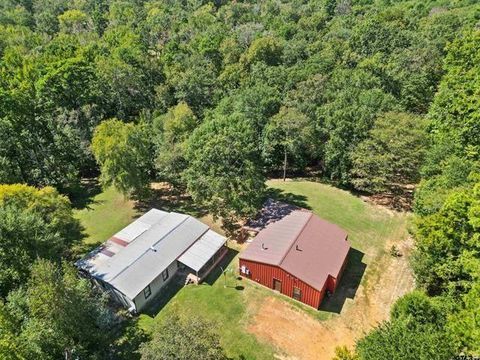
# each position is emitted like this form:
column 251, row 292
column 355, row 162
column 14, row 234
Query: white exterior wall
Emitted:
column 155, row 286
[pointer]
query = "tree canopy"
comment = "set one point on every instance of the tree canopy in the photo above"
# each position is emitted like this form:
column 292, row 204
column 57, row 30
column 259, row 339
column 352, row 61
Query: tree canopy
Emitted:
column 176, row 338
column 34, row 223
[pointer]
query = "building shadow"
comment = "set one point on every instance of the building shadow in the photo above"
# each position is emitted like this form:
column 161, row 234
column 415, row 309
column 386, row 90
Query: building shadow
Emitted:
column 169, row 291
column 165, row 295
column 349, row 283
column 221, row 266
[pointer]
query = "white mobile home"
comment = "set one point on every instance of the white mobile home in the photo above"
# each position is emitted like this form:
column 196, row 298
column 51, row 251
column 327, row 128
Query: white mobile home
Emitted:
column 135, row 263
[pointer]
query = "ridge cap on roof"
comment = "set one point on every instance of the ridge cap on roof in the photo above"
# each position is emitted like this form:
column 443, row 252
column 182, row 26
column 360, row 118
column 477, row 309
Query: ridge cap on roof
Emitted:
column 296, row 237
column 146, row 250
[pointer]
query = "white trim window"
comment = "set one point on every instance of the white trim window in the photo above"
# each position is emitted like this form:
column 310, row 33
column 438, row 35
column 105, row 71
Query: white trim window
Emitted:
column 165, row 274
column 147, row 292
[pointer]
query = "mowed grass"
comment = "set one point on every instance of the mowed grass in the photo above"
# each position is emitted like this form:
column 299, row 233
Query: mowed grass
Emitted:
column 106, row 214
column 226, row 306
column 369, row 227
column 232, row 308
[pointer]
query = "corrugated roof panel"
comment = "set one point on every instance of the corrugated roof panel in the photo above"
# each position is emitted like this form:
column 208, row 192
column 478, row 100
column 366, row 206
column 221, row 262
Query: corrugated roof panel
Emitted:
column 302, row 244
column 272, row 244
column 132, row 231
column 202, row 250
column 164, row 237
column 153, row 216
column 108, row 270
column 133, row 279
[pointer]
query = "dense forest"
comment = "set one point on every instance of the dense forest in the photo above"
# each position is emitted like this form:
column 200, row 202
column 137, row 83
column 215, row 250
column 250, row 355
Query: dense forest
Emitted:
column 214, row 97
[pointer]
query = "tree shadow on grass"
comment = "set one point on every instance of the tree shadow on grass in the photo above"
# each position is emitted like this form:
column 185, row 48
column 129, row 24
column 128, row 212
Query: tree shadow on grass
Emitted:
column 167, row 198
column 81, row 196
column 349, row 283
column 289, row 198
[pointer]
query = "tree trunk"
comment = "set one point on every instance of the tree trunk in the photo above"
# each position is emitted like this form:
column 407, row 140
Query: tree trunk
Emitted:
column 285, row 165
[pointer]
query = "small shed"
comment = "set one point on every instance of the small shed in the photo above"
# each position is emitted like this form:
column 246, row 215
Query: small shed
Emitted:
column 299, row 255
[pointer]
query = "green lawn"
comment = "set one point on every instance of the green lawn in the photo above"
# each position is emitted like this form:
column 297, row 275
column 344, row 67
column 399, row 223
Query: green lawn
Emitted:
column 106, row 214
column 368, row 226
column 232, row 307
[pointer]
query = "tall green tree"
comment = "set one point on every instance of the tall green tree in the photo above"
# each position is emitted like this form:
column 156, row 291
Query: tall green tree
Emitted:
column 124, row 153
column 224, row 172
column 288, row 133
column 392, row 155
column 33, row 224
column 443, row 242
column 455, row 112
column 171, row 132
column 416, row 331
column 193, row 339
column 57, row 316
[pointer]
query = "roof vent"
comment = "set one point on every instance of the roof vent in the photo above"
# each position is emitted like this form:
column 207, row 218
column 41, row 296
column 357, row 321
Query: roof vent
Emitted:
column 263, row 246
column 153, row 249
column 297, row 248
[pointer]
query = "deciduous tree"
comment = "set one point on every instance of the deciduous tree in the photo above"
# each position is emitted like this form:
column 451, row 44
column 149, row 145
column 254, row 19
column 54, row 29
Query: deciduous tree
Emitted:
column 224, row 172
column 392, row 155
column 124, row 153
column 193, row 339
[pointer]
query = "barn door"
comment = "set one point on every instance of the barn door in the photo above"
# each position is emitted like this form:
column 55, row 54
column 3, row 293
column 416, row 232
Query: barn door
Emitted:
column 277, row 285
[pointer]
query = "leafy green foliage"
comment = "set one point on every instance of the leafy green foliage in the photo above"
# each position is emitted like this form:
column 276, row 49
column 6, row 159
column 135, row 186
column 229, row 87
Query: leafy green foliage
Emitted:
column 123, row 152
column 464, row 324
column 392, row 154
column 288, row 134
column 416, row 331
column 176, row 338
column 171, row 132
column 33, row 224
column 67, row 66
column 455, row 113
column 56, row 316
column 223, row 173
column 444, row 240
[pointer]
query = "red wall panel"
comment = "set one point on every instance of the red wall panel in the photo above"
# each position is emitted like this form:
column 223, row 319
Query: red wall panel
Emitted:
column 264, row 274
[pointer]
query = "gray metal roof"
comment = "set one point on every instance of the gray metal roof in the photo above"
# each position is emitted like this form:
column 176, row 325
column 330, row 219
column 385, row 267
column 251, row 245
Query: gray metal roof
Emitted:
column 139, row 253
column 136, row 276
column 202, row 250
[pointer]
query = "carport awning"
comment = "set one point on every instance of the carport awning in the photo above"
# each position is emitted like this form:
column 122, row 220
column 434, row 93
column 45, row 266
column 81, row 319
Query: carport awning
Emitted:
column 202, row 250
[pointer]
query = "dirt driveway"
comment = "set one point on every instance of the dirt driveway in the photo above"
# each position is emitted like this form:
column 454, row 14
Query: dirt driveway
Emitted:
column 298, row 335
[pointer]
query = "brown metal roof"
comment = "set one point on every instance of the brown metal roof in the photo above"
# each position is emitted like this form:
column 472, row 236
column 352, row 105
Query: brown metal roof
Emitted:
column 302, row 244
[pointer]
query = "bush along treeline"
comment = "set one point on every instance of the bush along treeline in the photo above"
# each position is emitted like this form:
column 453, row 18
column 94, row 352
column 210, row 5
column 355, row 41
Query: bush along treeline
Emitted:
column 213, row 97
column 440, row 320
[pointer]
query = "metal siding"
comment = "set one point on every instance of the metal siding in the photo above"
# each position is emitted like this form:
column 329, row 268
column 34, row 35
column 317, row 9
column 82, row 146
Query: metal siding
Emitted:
column 197, row 255
column 264, row 274
column 333, row 282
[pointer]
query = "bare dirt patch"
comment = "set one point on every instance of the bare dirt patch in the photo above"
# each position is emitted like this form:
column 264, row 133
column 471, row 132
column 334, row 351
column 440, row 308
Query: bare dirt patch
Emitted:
column 297, row 335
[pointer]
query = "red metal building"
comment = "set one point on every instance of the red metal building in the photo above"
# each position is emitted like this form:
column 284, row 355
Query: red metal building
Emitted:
column 301, row 256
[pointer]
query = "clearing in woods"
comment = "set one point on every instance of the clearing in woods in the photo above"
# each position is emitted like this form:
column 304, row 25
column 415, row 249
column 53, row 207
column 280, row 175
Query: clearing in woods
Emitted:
column 255, row 323
column 372, row 282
